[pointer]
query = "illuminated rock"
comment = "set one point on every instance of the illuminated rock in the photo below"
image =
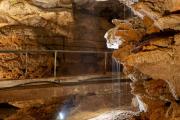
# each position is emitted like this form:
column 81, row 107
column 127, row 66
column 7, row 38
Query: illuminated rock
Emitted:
column 151, row 56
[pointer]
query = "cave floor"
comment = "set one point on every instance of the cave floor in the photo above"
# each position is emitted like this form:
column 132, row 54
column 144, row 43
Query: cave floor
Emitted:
column 66, row 102
column 91, row 107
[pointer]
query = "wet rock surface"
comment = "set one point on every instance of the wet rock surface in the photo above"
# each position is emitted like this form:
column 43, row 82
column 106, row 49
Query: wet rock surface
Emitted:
column 74, row 107
column 37, row 109
column 117, row 115
column 149, row 52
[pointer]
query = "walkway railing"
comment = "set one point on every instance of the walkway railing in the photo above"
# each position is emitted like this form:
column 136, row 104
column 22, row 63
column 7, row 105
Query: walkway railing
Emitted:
column 55, row 52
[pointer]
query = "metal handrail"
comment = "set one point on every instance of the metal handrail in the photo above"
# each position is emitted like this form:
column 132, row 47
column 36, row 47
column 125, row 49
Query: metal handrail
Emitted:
column 59, row 51
column 55, row 55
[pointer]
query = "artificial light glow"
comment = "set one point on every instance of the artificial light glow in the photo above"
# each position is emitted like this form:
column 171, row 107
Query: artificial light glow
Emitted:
column 61, row 116
column 113, row 42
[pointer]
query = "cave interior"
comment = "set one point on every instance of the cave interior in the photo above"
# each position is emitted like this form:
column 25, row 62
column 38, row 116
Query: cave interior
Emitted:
column 89, row 60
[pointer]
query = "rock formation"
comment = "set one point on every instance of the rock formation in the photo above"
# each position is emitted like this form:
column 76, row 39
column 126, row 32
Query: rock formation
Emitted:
column 28, row 25
column 150, row 53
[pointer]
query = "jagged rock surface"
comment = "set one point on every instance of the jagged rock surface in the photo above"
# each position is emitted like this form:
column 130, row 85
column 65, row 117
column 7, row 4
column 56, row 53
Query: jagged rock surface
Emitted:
column 26, row 25
column 149, row 52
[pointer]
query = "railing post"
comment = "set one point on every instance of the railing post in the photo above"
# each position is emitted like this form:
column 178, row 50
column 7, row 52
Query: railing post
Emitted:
column 55, row 62
column 105, row 62
column 26, row 62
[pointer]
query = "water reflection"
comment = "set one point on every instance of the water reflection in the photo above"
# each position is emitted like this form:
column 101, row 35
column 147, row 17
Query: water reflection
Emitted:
column 66, row 107
column 92, row 105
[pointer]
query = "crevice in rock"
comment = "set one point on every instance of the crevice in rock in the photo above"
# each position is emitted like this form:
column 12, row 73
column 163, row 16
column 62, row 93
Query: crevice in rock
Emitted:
column 7, row 106
column 168, row 104
column 165, row 33
column 178, row 101
column 166, row 13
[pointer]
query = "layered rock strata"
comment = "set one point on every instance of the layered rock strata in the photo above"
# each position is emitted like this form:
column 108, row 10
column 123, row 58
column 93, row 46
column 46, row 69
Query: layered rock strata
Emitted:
column 148, row 48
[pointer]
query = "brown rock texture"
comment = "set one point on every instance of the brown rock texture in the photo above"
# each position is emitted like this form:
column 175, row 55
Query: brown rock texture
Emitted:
column 27, row 25
column 149, row 52
column 38, row 109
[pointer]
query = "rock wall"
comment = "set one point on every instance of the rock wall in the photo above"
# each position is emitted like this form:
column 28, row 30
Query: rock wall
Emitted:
column 30, row 25
column 148, row 48
column 91, row 21
column 55, row 25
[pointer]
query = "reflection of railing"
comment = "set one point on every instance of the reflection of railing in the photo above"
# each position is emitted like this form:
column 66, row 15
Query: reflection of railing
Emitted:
column 55, row 52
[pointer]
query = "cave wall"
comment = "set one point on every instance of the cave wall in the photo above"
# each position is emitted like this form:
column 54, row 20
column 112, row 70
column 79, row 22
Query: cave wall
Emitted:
column 55, row 25
column 91, row 20
column 148, row 48
column 31, row 25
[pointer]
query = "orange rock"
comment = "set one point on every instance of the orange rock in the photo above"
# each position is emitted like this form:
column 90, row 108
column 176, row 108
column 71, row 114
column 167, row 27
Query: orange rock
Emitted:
column 154, row 64
column 128, row 35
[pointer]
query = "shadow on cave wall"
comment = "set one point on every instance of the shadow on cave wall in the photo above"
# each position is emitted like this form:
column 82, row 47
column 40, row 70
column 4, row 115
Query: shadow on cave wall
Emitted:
column 92, row 19
column 110, row 9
